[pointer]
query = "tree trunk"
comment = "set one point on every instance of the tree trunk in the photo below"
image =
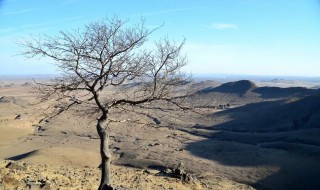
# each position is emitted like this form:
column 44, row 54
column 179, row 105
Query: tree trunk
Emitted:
column 105, row 154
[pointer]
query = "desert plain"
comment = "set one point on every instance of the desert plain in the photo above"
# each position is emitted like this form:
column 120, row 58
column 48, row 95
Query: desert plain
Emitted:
column 241, row 135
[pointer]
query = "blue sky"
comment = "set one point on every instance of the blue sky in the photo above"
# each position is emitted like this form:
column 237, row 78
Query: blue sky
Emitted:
column 248, row 37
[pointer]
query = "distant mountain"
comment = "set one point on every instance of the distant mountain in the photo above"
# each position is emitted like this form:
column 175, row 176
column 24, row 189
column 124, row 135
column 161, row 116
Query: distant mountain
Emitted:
column 249, row 88
column 26, row 84
column 238, row 87
column 231, row 93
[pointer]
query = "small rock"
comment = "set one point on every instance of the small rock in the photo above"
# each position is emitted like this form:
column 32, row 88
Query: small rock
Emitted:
column 179, row 172
column 146, row 171
column 154, row 144
column 18, row 116
column 168, row 171
column 14, row 166
column 152, row 172
column 41, row 129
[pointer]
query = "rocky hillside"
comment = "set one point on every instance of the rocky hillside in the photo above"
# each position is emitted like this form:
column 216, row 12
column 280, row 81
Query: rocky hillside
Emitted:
column 19, row 175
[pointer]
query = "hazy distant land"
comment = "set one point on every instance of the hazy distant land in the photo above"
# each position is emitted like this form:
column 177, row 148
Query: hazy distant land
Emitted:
column 280, row 81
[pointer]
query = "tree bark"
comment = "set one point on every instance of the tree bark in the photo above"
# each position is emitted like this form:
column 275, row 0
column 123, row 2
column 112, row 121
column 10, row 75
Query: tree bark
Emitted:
column 105, row 153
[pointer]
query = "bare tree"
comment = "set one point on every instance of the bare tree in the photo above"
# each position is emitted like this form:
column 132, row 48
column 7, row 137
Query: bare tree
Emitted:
column 98, row 62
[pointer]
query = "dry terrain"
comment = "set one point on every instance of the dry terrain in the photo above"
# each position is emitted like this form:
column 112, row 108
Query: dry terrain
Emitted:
column 246, row 137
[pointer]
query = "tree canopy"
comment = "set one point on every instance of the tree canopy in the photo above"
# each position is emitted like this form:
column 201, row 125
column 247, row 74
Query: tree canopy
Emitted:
column 97, row 64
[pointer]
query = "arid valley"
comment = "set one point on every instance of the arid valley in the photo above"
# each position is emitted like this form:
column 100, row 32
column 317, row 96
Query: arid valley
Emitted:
column 159, row 95
column 240, row 135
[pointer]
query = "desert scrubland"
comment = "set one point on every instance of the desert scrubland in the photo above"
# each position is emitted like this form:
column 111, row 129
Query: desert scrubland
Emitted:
column 241, row 135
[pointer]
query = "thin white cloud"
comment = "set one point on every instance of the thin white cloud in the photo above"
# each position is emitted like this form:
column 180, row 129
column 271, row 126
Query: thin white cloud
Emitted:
column 223, row 26
column 17, row 12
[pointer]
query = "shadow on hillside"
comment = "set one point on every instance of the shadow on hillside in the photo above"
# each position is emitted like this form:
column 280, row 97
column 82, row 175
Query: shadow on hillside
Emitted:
column 273, row 116
column 294, row 171
column 22, row 156
column 276, row 92
column 282, row 134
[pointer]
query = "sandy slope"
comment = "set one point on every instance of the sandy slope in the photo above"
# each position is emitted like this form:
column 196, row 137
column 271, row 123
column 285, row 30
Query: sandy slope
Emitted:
column 67, row 167
column 63, row 153
column 244, row 144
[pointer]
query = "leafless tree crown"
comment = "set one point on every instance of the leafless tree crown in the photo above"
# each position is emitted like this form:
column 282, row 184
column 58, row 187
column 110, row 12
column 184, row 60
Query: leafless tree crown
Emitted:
column 100, row 60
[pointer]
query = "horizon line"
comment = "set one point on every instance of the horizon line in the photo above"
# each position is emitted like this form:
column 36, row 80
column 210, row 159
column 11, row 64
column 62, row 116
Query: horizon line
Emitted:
column 192, row 75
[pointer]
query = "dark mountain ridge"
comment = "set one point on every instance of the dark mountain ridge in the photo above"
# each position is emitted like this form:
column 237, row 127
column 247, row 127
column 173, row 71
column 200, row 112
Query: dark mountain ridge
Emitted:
column 247, row 87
